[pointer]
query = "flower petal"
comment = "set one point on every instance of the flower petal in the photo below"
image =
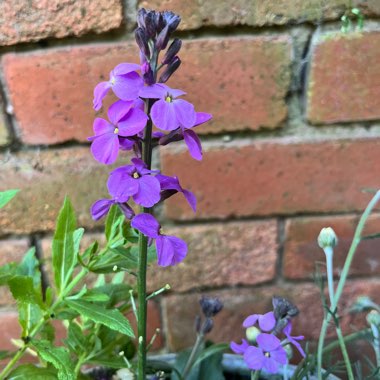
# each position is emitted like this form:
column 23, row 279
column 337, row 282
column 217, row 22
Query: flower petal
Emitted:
column 148, row 193
column 184, row 112
column 164, row 116
column 127, row 210
column 100, row 92
column 125, row 68
column 105, row 148
column 171, row 250
column 268, row 342
column 191, row 199
column 132, row 123
column 155, row 91
column 267, row 321
column 250, row 320
column 202, row 117
column 100, row 208
column 127, row 87
column 254, row 357
column 118, row 110
column 121, row 185
column 279, row 355
column 270, row 365
column 146, row 224
column 239, row 348
column 102, row 126
column 193, row 143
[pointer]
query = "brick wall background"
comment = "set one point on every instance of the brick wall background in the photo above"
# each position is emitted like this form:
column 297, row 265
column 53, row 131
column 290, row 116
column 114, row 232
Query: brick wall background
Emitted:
column 294, row 140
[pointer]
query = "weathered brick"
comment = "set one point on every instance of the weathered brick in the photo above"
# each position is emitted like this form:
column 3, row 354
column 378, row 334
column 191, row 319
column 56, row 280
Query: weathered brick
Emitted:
column 4, row 135
column 343, row 82
column 198, row 13
column 45, row 177
column 274, row 177
column 24, row 21
column 221, row 254
column 368, row 7
column 51, row 92
column 180, row 310
column 302, row 251
column 11, row 250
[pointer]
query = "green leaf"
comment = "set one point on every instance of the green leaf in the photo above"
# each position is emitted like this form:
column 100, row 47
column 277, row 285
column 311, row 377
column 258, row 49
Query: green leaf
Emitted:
column 209, row 351
column 59, row 357
column 65, row 245
column 112, row 222
column 23, row 290
column 29, row 315
column 30, row 266
column 180, row 364
column 211, row 367
column 7, row 271
column 108, row 362
column 6, row 196
column 112, row 318
column 115, row 292
column 29, row 371
column 372, row 236
column 75, row 338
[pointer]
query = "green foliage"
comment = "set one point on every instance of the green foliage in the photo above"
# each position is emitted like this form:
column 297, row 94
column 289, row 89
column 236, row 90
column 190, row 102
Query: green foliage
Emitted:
column 7, row 196
column 26, row 371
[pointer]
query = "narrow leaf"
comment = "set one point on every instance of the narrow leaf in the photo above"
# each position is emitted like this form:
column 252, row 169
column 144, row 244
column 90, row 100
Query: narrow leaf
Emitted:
column 29, row 371
column 6, row 196
column 112, row 318
column 212, row 350
column 112, row 222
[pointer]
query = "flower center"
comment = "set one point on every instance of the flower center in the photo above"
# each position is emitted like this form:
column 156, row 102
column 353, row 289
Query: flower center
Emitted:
column 161, row 231
column 113, row 81
column 267, row 354
column 116, row 131
column 136, row 175
column 168, row 98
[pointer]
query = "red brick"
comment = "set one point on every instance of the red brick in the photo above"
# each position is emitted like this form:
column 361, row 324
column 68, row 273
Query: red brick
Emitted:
column 4, row 134
column 278, row 176
column 11, row 250
column 45, row 177
column 344, row 78
column 302, row 251
column 51, row 92
column 368, row 7
column 180, row 310
column 24, row 21
column 219, row 254
column 195, row 13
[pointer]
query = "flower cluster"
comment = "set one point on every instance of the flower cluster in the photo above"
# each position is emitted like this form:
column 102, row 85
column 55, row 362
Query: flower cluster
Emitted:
column 145, row 101
column 263, row 348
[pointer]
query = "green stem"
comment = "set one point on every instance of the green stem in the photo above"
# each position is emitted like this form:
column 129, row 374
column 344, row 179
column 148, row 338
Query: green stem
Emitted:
column 255, row 375
column 355, row 242
column 348, row 338
column 343, row 348
column 376, row 343
column 193, row 353
column 142, row 263
column 5, row 372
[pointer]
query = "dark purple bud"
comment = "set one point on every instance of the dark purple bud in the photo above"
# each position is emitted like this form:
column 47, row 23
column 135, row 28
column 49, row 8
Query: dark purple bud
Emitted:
column 159, row 21
column 207, row 326
column 150, row 25
column 147, row 73
column 172, row 51
column 142, row 42
column 170, row 70
column 163, row 38
column 210, row 306
column 127, row 210
column 283, row 308
column 171, row 20
column 141, row 18
column 173, row 136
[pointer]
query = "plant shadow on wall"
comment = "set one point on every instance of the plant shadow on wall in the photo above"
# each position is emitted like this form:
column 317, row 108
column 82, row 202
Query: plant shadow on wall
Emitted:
column 98, row 333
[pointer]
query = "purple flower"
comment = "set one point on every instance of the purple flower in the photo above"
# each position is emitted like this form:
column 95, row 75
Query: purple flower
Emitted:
column 171, row 250
column 293, row 339
column 191, row 138
column 124, row 82
column 101, row 207
column 171, row 186
column 110, row 137
column 168, row 113
column 266, row 321
column 268, row 355
column 135, row 181
column 239, row 348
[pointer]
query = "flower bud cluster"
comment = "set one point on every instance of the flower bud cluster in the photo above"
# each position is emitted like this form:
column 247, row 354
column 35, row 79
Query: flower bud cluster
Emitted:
column 144, row 102
column 210, row 307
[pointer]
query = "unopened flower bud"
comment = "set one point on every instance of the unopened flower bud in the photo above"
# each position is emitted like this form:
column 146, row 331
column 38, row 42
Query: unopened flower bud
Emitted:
column 252, row 333
column 362, row 303
column 172, row 51
column 210, row 306
column 327, row 238
column 207, row 326
column 150, row 25
column 170, row 69
column 159, row 21
column 197, row 324
column 141, row 17
column 373, row 318
column 163, row 38
column 142, row 42
column 171, row 20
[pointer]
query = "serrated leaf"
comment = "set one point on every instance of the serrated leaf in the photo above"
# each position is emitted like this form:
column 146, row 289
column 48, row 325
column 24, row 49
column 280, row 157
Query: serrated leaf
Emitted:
column 6, row 196
column 65, row 245
column 75, row 338
column 116, row 292
column 29, row 371
column 59, row 357
column 112, row 318
column 112, row 222
column 7, row 271
column 29, row 315
column 23, row 290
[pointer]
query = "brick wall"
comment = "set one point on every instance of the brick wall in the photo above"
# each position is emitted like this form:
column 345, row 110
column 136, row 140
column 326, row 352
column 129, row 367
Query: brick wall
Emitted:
column 294, row 140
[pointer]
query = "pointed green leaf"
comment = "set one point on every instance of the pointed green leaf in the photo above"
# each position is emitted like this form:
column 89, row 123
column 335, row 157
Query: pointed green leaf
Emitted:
column 112, row 222
column 112, row 318
column 29, row 315
column 23, row 290
column 30, row 267
column 59, row 357
column 212, row 350
column 29, row 371
column 6, row 196
column 7, row 271
column 65, row 243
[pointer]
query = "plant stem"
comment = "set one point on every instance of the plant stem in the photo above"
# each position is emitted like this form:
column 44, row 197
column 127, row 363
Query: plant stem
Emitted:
column 355, row 242
column 376, row 343
column 255, row 375
column 193, row 353
column 142, row 262
column 5, row 372
column 347, row 339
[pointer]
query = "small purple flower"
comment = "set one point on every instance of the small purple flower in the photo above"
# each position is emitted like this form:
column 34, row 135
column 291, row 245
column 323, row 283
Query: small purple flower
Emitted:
column 268, row 355
column 110, row 137
column 101, row 207
column 191, row 138
column 171, row 250
column 293, row 339
column 124, row 82
column 239, row 348
column 168, row 113
column 266, row 321
column 171, row 186
column 135, row 181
